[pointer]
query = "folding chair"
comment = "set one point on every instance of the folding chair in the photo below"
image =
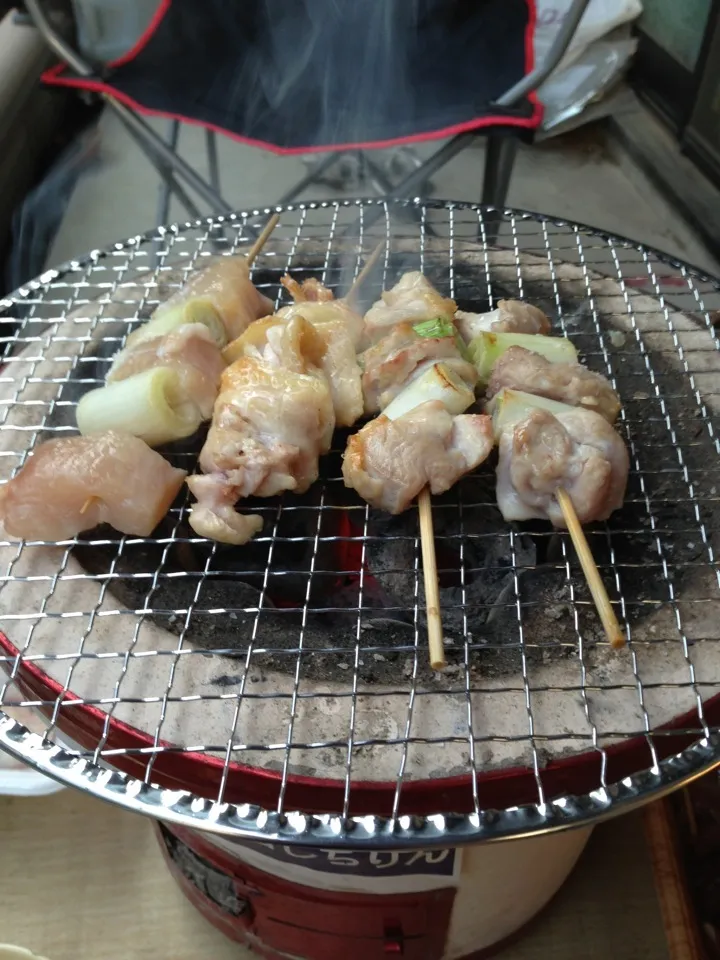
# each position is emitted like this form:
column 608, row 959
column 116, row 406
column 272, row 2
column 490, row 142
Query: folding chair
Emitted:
column 459, row 102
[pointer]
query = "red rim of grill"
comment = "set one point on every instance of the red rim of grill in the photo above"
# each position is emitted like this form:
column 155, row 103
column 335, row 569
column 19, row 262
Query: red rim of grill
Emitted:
column 186, row 770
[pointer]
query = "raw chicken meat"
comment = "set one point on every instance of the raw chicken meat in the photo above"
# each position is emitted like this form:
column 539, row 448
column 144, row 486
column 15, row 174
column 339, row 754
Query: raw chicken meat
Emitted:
column 570, row 383
column 191, row 351
column 272, row 420
column 226, row 284
column 403, row 353
column 413, row 298
column 511, row 316
column 577, row 450
column 389, row 462
column 74, row 483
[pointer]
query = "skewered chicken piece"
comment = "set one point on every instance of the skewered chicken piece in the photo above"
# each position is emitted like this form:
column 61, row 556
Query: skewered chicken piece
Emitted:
column 294, row 345
column 519, row 369
column 164, row 383
column 310, row 290
column 339, row 327
column 159, row 390
column 315, row 302
column 190, row 350
column 320, row 312
column 402, row 354
column 189, row 312
column 389, row 462
column 421, row 440
column 575, row 450
column 227, row 286
column 510, row 316
column 74, row 483
column 272, row 420
column 412, row 299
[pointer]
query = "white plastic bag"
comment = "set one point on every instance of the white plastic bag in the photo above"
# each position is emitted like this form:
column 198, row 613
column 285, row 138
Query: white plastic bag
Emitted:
column 598, row 54
column 600, row 18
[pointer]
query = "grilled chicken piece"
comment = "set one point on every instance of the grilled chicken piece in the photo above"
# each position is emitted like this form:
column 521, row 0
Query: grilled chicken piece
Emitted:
column 74, row 483
column 326, row 311
column 294, row 345
column 226, row 284
column 389, row 462
column 341, row 328
column 511, row 316
column 333, row 351
column 190, row 350
column 311, row 290
column 578, row 451
column 315, row 302
column 272, row 420
column 340, row 366
column 570, row 383
column 413, row 299
column 402, row 354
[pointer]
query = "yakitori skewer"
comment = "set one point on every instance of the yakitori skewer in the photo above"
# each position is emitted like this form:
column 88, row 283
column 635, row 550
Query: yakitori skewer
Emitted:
column 427, row 533
column 152, row 379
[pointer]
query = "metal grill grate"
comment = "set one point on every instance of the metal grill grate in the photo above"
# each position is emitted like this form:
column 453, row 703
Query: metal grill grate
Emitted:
column 291, row 674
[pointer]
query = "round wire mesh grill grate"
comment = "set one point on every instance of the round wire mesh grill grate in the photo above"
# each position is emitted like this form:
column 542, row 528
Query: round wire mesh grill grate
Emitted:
column 230, row 689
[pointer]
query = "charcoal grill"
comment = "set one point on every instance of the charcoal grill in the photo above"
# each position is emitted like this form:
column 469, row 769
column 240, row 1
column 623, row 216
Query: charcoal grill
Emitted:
column 280, row 691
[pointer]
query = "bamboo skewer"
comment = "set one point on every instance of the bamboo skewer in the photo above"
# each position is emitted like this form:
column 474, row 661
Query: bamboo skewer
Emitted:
column 367, row 267
column 262, row 239
column 605, row 610
column 436, row 646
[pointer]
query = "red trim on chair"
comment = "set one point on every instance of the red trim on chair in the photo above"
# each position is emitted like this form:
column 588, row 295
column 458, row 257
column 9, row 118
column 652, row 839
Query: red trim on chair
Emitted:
column 147, row 35
column 53, row 77
column 56, row 76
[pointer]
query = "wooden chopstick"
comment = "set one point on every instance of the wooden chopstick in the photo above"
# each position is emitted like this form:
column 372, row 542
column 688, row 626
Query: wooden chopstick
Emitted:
column 606, row 612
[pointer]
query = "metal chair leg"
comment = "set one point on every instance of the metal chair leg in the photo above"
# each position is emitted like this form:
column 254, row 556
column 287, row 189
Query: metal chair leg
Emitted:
column 139, row 128
column 165, row 171
column 317, row 171
column 499, row 161
column 213, row 164
column 163, row 212
column 384, row 187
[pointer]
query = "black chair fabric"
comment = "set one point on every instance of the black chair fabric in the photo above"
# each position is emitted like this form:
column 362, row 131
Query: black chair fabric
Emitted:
column 298, row 75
